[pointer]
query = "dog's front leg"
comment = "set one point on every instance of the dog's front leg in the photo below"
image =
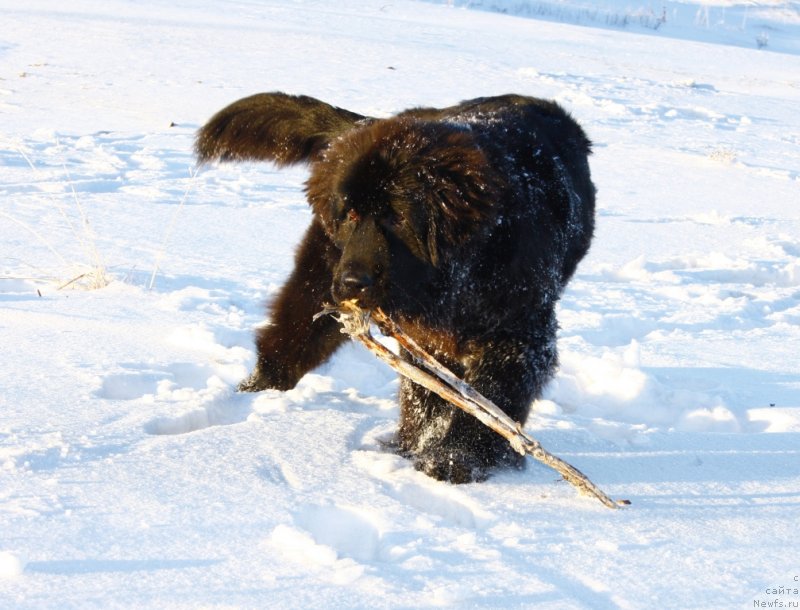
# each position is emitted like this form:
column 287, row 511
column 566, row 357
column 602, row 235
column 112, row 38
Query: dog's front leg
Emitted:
column 293, row 342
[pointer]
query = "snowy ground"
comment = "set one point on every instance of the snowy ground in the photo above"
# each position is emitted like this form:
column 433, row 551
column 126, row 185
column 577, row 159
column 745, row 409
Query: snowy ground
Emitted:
column 765, row 24
column 133, row 476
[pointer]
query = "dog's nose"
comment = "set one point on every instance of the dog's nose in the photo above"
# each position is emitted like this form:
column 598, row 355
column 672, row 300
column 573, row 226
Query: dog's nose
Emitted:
column 355, row 282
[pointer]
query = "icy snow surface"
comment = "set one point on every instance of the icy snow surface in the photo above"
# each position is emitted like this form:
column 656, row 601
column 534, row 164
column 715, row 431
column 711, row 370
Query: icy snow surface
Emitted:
column 133, row 476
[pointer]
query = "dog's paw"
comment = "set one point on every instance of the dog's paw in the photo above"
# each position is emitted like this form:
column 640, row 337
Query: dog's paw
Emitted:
column 265, row 378
column 465, row 467
column 253, row 383
column 451, row 467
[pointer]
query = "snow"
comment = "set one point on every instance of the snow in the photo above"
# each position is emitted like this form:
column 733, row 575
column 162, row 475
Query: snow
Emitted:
column 769, row 24
column 132, row 475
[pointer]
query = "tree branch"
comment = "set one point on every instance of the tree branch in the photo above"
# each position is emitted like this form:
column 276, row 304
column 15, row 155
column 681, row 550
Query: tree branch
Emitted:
column 434, row 376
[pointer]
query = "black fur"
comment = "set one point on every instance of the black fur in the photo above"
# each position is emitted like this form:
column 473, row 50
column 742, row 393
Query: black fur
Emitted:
column 463, row 223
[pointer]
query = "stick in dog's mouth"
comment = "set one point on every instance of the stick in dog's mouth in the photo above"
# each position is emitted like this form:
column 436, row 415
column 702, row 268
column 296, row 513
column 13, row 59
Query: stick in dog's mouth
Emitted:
column 434, row 376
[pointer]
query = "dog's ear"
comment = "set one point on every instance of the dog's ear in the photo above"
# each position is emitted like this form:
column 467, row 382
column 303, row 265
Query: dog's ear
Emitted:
column 459, row 187
column 285, row 129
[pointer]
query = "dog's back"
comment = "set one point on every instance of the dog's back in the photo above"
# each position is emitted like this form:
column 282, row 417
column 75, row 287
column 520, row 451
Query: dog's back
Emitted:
column 543, row 154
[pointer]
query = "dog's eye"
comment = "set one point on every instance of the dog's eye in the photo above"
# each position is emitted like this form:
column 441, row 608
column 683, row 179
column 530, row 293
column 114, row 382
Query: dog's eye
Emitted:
column 353, row 216
column 393, row 221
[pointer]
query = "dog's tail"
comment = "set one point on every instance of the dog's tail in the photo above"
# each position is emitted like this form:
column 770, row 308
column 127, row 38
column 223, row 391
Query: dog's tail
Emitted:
column 285, row 129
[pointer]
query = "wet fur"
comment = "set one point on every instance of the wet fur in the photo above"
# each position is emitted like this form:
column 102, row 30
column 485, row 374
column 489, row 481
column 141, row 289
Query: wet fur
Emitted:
column 463, row 223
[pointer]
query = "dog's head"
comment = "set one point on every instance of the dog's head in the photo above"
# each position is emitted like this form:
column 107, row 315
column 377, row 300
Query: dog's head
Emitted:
column 398, row 197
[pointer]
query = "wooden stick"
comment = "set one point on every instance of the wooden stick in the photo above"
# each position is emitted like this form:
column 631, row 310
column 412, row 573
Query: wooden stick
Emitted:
column 434, row 376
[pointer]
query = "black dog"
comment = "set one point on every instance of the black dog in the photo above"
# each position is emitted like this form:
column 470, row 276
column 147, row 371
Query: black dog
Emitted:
column 463, row 224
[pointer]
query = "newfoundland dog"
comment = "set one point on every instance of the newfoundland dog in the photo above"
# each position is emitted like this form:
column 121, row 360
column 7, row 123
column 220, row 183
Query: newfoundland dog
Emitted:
column 463, row 224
